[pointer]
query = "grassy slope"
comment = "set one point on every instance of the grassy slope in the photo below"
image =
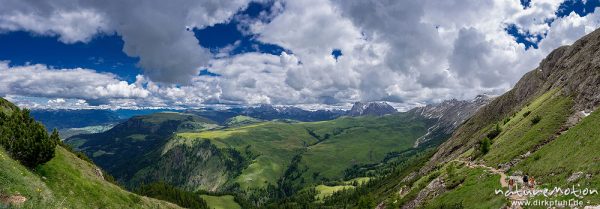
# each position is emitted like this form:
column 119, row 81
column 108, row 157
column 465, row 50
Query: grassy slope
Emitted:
column 221, row 202
column 477, row 191
column 67, row 182
column 241, row 120
column 574, row 151
column 519, row 135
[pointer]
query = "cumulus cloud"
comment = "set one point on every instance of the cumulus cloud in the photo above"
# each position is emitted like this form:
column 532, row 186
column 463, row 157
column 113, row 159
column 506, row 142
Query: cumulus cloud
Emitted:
column 41, row 81
column 570, row 28
column 154, row 31
column 70, row 26
column 408, row 52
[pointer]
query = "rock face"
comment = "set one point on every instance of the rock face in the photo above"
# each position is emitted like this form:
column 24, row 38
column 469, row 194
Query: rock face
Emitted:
column 433, row 189
column 371, row 108
column 448, row 115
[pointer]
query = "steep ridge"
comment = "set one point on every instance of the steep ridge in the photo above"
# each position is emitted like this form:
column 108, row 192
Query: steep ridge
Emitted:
column 574, row 70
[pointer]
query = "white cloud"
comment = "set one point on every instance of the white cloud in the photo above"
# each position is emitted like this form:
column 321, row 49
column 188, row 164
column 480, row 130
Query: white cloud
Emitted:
column 410, row 52
column 567, row 30
column 70, row 26
column 57, row 101
column 41, row 81
column 154, row 31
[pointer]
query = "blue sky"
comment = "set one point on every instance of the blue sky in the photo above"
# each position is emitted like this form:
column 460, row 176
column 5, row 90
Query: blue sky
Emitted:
column 104, row 52
column 307, row 52
column 567, row 7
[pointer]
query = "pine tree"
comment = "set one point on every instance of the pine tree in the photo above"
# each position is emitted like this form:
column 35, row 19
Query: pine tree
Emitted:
column 25, row 139
column 485, row 145
column 54, row 136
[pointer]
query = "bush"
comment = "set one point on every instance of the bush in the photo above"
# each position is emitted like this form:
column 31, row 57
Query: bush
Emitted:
column 453, row 179
column 526, row 114
column 25, row 139
column 485, row 145
column 535, row 120
column 506, row 120
column 494, row 133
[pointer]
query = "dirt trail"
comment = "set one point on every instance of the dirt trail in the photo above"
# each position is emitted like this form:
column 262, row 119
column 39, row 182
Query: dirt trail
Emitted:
column 512, row 198
column 493, row 170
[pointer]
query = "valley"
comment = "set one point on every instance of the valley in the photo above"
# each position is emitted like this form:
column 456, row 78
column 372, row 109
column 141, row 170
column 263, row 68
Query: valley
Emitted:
column 266, row 159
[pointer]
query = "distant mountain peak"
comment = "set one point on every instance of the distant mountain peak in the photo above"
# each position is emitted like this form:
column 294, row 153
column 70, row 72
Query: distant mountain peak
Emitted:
column 371, row 108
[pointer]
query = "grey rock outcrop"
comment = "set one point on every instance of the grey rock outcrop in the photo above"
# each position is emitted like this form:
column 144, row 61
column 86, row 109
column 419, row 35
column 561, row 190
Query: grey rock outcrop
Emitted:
column 448, row 115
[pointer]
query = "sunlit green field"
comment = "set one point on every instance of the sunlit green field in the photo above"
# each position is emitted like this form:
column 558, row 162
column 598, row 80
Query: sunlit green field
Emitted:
column 221, row 202
column 325, row 191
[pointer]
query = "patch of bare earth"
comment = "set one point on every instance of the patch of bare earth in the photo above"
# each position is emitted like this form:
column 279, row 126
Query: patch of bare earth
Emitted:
column 12, row 199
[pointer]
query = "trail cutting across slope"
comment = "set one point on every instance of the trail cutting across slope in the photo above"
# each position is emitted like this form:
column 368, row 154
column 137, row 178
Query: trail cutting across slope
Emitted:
column 514, row 198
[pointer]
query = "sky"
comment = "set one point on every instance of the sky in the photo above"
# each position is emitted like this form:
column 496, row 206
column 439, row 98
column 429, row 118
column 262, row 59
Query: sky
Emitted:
column 319, row 53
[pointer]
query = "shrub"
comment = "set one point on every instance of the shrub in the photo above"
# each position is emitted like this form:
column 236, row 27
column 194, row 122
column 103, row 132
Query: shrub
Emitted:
column 495, row 132
column 526, row 114
column 485, row 145
column 536, row 119
column 25, row 139
column 506, row 120
column 453, row 179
